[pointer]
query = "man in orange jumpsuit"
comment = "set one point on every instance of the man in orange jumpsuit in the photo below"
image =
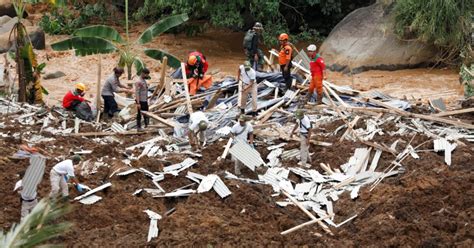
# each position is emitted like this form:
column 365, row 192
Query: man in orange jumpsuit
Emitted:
column 284, row 59
column 196, row 69
column 317, row 68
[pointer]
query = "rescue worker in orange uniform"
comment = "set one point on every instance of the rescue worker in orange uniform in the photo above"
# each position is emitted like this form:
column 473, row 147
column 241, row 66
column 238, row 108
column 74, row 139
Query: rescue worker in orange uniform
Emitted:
column 317, row 68
column 196, row 68
column 284, row 58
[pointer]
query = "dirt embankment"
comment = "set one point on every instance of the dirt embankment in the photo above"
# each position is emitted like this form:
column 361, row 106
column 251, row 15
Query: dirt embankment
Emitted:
column 429, row 205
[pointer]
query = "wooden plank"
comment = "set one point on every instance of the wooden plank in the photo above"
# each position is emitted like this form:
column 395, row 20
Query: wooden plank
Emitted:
column 293, row 97
column 159, row 88
column 325, row 228
column 420, row 116
column 328, row 87
column 350, row 128
column 186, row 89
column 226, row 150
column 270, row 110
column 454, row 112
column 212, row 102
column 158, row 118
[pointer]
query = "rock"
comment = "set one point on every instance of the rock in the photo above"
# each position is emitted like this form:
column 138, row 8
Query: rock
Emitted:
column 4, row 19
column 36, row 34
column 365, row 40
column 6, row 8
column 54, row 75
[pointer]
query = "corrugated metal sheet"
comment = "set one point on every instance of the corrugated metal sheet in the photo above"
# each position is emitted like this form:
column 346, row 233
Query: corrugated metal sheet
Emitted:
column 93, row 191
column 116, row 127
column 246, row 154
column 221, row 188
column 33, row 176
column 290, row 153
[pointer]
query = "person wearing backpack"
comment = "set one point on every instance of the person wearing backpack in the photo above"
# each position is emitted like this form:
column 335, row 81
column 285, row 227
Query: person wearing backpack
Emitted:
column 284, row 58
column 242, row 131
column 250, row 43
column 304, row 124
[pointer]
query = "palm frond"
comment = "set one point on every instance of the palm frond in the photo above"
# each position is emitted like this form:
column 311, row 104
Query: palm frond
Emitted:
column 85, row 45
column 37, row 227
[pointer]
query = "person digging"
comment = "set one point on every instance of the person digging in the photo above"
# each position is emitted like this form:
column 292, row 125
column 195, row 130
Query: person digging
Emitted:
column 198, row 123
column 305, row 128
column 60, row 174
column 242, row 131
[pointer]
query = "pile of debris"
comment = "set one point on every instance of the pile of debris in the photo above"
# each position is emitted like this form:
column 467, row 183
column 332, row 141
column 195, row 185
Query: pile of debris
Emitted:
column 368, row 119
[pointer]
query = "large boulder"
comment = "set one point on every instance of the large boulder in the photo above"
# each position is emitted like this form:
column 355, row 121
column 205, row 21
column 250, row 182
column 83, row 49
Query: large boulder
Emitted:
column 365, row 40
column 6, row 8
column 35, row 33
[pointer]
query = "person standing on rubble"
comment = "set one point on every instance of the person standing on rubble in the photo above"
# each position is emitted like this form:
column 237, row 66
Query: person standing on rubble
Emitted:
column 196, row 68
column 112, row 85
column 60, row 174
column 284, row 58
column 250, row 43
column 248, row 77
column 198, row 123
column 73, row 98
column 141, row 98
column 304, row 124
column 242, row 131
column 317, row 68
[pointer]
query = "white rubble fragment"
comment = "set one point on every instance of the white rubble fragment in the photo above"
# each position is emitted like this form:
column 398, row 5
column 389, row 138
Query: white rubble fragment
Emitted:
column 90, row 200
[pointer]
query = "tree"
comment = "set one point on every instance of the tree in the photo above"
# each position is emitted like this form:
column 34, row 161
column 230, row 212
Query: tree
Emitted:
column 101, row 39
column 443, row 23
column 37, row 227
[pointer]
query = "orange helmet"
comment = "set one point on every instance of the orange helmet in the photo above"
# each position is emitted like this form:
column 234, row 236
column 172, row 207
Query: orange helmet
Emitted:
column 283, row 36
column 192, row 60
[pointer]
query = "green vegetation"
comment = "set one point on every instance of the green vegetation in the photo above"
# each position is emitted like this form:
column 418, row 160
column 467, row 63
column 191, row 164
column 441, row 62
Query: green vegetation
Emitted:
column 304, row 19
column 467, row 79
column 101, row 39
column 443, row 23
column 61, row 20
column 38, row 227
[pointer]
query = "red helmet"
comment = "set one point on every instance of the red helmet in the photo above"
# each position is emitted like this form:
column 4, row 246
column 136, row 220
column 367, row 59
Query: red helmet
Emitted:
column 283, row 36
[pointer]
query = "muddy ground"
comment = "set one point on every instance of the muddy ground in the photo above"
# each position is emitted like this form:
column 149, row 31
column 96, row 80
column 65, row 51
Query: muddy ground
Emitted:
column 430, row 205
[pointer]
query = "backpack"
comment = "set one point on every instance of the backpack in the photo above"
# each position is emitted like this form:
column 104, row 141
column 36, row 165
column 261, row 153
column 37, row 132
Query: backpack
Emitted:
column 248, row 39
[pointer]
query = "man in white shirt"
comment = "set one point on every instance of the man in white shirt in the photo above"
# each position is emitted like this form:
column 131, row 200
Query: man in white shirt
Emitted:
column 26, row 204
column 60, row 172
column 249, row 85
column 198, row 123
column 242, row 131
column 304, row 124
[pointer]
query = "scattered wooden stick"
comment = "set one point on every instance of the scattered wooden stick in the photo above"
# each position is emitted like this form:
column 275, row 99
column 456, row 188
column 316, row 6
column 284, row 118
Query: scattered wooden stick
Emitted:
column 454, row 112
column 158, row 118
column 186, row 89
column 304, row 224
column 325, row 228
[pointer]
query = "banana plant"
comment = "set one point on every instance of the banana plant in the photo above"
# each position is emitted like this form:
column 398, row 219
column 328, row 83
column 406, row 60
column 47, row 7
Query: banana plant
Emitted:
column 103, row 39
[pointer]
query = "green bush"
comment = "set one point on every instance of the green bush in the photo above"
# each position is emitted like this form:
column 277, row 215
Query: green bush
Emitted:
column 443, row 23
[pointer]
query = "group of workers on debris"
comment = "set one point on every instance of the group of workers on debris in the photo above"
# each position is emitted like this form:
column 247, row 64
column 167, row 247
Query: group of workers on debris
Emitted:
column 196, row 68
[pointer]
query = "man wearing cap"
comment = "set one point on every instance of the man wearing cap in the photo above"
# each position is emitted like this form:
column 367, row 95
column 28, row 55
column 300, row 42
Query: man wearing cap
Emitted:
column 317, row 68
column 250, row 43
column 242, row 131
column 196, row 68
column 112, row 85
column 247, row 75
column 304, row 124
column 284, row 58
column 198, row 123
column 73, row 98
column 60, row 173
column 141, row 98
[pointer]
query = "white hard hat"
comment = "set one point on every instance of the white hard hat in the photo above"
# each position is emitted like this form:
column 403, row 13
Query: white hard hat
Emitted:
column 312, row 48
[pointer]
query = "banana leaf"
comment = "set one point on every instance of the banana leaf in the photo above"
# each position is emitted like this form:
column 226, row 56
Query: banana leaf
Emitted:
column 100, row 31
column 139, row 65
column 85, row 45
column 159, row 54
column 161, row 27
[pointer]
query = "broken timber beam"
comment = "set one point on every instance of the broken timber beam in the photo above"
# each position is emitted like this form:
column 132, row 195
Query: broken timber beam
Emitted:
column 158, row 118
column 270, row 110
column 325, row 228
column 350, row 128
column 186, row 89
column 454, row 112
column 420, row 116
column 161, row 86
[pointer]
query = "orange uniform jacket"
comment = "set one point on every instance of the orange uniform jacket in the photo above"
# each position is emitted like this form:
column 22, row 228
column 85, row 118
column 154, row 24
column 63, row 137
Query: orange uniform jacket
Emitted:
column 285, row 54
